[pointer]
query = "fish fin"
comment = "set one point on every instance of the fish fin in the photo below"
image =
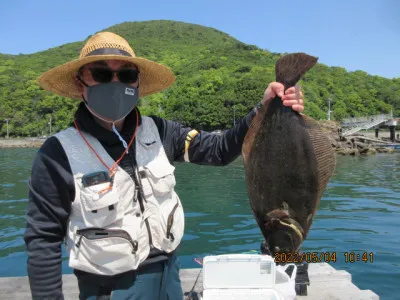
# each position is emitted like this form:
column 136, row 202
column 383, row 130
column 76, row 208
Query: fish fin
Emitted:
column 252, row 132
column 290, row 68
column 324, row 153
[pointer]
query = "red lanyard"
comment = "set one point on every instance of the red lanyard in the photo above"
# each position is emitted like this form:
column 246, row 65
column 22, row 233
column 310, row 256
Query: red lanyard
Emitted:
column 112, row 169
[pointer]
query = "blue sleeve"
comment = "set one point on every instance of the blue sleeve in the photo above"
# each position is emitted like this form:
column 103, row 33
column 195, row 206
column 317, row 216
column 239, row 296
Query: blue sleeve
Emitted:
column 51, row 190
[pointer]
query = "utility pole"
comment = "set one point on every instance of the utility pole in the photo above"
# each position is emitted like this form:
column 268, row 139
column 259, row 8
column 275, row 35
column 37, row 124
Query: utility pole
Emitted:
column 6, row 120
column 234, row 115
column 50, row 124
column 231, row 104
column 329, row 108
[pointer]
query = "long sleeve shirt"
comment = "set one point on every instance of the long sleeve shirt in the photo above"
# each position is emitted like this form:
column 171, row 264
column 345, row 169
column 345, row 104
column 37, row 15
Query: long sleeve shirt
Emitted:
column 52, row 189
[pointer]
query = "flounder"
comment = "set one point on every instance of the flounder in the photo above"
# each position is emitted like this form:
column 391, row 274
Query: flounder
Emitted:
column 288, row 162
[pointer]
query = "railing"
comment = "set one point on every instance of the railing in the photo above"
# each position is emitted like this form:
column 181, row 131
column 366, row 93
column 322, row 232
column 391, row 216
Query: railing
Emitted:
column 368, row 122
column 362, row 120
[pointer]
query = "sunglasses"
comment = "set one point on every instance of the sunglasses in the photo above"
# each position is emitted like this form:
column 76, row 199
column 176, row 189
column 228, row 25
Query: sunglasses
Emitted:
column 104, row 75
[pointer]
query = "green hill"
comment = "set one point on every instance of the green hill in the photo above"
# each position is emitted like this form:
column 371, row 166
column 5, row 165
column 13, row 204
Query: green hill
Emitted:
column 214, row 71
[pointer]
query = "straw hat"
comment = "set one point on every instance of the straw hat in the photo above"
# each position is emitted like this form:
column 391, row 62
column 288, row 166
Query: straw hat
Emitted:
column 154, row 77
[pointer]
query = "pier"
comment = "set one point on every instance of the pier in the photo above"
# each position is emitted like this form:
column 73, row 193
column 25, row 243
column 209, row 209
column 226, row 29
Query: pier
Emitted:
column 353, row 125
column 325, row 283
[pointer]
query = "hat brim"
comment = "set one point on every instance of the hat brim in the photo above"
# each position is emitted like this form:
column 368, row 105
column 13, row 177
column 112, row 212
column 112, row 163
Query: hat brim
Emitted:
column 60, row 80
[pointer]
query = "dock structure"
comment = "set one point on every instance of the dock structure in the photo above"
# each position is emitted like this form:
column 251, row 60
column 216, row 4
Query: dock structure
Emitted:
column 325, row 283
column 353, row 125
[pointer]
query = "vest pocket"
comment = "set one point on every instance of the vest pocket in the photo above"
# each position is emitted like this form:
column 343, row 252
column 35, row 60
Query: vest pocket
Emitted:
column 100, row 209
column 113, row 250
column 172, row 223
column 160, row 176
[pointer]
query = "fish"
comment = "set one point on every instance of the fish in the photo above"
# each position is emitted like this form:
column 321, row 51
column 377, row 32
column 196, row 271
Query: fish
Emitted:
column 288, row 162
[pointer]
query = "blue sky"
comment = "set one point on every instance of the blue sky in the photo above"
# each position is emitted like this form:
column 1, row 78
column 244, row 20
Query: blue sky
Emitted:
column 354, row 34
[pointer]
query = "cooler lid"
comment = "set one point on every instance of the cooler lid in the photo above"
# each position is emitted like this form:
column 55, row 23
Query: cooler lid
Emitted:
column 238, row 271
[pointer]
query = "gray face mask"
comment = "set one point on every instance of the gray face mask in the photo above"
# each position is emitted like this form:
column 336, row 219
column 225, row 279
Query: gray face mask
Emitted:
column 111, row 101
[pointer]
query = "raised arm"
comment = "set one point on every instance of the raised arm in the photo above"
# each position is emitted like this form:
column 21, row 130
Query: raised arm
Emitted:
column 201, row 147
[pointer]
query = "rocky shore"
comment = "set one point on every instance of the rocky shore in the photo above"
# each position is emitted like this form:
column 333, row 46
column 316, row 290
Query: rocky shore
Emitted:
column 355, row 145
column 21, row 143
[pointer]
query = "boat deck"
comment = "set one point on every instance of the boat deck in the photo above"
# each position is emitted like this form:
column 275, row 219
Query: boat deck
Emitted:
column 325, row 283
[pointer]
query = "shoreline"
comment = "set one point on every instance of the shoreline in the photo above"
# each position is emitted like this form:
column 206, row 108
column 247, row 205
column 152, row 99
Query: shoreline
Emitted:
column 360, row 144
column 21, row 143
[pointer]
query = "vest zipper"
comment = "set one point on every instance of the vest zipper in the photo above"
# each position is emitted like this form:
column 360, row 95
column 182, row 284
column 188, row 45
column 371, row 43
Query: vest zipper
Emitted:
column 170, row 222
column 141, row 196
column 101, row 233
column 141, row 199
column 150, row 237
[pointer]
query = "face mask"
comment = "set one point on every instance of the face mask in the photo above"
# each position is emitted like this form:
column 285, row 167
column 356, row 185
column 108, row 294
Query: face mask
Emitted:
column 111, row 101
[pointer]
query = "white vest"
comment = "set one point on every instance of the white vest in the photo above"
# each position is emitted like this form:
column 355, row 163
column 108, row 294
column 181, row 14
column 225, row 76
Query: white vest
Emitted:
column 120, row 239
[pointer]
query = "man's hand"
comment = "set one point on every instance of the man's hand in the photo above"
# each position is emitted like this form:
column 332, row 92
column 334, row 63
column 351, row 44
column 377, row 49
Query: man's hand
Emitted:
column 292, row 97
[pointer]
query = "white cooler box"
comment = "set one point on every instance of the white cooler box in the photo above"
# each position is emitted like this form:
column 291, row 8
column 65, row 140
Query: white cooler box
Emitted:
column 239, row 276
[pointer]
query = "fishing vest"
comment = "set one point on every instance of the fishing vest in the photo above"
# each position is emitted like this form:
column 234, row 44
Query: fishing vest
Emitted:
column 112, row 232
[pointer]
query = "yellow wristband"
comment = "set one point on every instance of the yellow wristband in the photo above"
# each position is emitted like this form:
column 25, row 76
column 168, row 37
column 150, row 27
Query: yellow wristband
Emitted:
column 189, row 137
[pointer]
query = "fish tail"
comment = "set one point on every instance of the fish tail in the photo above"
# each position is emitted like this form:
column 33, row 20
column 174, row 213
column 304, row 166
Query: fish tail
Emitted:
column 290, row 68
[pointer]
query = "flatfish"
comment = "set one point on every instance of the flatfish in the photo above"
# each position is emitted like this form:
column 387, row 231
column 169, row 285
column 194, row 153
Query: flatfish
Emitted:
column 288, row 162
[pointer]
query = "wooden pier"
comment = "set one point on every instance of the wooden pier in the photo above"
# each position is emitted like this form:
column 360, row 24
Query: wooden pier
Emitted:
column 325, row 283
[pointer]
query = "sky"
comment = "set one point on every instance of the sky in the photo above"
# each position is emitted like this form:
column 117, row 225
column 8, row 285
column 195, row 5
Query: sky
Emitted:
column 353, row 34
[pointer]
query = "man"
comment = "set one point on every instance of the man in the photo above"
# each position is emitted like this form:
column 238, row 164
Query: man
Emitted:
column 106, row 184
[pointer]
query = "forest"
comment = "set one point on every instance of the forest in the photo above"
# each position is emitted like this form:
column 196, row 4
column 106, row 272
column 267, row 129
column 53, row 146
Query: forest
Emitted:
column 218, row 80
